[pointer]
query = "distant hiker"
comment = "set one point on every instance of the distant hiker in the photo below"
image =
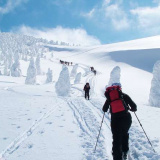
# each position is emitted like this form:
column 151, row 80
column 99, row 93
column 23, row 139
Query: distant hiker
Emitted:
column 92, row 69
column 94, row 72
column 62, row 62
column 121, row 120
column 86, row 89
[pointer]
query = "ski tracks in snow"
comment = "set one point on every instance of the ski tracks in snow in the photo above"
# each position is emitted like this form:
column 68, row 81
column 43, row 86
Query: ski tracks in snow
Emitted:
column 140, row 149
column 14, row 145
column 89, row 127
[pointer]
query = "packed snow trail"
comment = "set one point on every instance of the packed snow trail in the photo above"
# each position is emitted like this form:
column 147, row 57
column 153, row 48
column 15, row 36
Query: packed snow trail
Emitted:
column 89, row 127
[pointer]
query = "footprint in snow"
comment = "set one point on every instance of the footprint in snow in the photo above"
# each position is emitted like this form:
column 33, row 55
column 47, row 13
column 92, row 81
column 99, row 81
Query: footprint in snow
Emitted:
column 49, row 123
column 41, row 132
column 18, row 127
column 30, row 146
column 5, row 138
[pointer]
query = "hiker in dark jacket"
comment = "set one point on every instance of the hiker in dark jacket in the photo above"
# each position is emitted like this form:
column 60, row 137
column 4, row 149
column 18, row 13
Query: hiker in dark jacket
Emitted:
column 120, row 124
column 86, row 89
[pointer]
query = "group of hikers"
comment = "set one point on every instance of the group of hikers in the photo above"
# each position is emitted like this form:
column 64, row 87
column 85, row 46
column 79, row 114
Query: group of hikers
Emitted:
column 119, row 104
column 66, row 63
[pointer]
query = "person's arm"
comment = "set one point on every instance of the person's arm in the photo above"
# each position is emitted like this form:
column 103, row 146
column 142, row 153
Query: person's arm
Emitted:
column 130, row 102
column 105, row 106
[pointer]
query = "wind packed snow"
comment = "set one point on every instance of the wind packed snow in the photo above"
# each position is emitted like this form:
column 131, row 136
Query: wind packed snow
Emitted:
column 44, row 116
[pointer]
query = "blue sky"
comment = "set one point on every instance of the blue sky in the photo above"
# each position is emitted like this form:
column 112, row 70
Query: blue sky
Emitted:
column 84, row 21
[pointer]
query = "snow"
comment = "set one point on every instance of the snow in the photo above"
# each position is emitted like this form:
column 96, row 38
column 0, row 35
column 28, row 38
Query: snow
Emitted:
column 154, row 96
column 115, row 76
column 36, row 123
column 77, row 78
column 63, row 84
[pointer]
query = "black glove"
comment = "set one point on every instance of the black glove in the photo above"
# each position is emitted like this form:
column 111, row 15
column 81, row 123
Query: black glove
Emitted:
column 133, row 109
column 104, row 109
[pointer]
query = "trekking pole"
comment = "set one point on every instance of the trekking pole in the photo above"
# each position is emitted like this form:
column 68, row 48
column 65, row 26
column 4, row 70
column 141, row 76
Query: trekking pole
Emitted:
column 145, row 133
column 99, row 132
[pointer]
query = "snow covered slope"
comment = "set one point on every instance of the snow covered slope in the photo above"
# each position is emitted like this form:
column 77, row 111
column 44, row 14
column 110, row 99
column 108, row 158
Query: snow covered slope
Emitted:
column 37, row 124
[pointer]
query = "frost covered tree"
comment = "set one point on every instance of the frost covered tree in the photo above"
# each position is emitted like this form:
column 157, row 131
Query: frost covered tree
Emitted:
column 15, row 69
column 78, row 78
column 5, row 69
column 154, row 96
column 31, row 73
column 74, row 70
column 49, row 76
column 38, row 67
column 25, row 58
column 10, row 61
column 63, row 84
column 115, row 75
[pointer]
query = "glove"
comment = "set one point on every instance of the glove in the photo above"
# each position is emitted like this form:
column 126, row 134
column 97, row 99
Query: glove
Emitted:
column 104, row 110
column 133, row 109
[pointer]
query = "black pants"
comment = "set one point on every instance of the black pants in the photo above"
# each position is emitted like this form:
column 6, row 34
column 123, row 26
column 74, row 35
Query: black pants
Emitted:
column 86, row 94
column 120, row 127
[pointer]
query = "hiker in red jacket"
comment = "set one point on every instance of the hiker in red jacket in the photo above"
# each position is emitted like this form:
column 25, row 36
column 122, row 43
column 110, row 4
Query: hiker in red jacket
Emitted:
column 119, row 104
column 86, row 89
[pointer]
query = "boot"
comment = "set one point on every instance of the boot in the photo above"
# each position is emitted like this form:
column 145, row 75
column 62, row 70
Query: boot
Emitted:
column 124, row 155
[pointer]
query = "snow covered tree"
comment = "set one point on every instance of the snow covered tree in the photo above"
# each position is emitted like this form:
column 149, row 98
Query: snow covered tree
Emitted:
column 15, row 69
column 49, row 76
column 26, row 58
column 31, row 73
column 63, row 84
column 38, row 68
column 5, row 69
column 78, row 78
column 114, row 76
column 74, row 70
column 10, row 61
column 154, row 96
